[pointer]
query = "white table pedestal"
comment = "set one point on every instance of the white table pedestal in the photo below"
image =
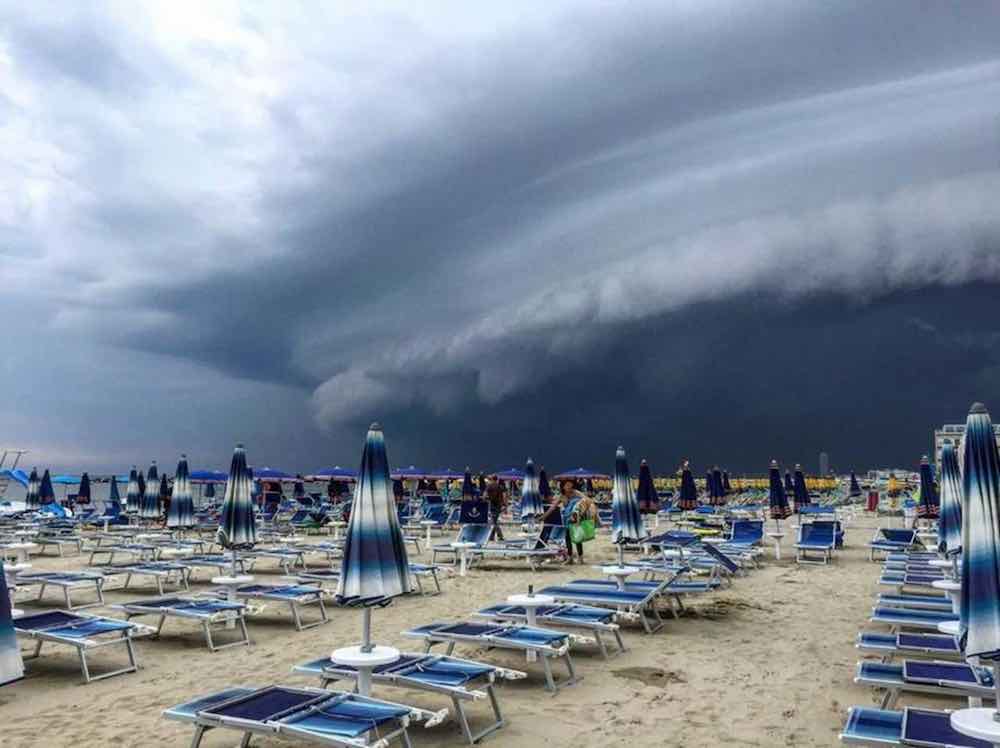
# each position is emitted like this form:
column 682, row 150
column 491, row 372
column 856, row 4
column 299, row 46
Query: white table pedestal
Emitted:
column 776, row 537
column 531, row 604
column 977, row 723
column 462, row 549
column 231, row 584
column 364, row 663
column 953, row 589
column 21, row 550
column 428, row 524
column 619, row 574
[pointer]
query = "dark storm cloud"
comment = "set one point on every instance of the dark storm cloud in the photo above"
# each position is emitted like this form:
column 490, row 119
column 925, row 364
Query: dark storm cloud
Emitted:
column 520, row 221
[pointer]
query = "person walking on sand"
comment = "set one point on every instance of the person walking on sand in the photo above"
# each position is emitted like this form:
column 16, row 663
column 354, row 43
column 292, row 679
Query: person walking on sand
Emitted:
column 497, row 499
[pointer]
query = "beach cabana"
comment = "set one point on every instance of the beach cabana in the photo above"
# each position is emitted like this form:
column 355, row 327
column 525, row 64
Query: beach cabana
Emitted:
column 375, row 567
column 950, row 522
column 531, row 499
column 181, row 512
column 626, row 522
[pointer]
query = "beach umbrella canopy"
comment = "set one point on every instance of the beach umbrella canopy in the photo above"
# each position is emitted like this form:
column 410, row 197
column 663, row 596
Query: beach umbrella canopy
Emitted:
column 299, row 489
column 181, row 511
column 237, row 528
column 789, row 484
column 531, row 499
column 446, row 474
column 164, row 487
column 83, row 492
column 468, row 487
column 133, row 498
column 31, row 498
column 980, row 594
column 929, row 505
column 510, row 474
column 269, row 473
column 801, row 493
column 727, row 487
column 777, row 498
column 209, row 491
column 649, row 500
column 46, row 495
column 950, row 522
column 855, row 489
column 581, row 473
column 626, row 522
column 544, row 489
column 114, row 504
column 142, row 486
column 718, row 492
column 481, row 482
column 149, row 505
column 688, row 496
column 65, row 480
column 410, row 472
column 336, row 473
column 207, row 476
column 374, row 565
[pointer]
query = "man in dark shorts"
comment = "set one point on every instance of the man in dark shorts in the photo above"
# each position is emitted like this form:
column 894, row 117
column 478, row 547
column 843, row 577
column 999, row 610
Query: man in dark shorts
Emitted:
column 497, row 499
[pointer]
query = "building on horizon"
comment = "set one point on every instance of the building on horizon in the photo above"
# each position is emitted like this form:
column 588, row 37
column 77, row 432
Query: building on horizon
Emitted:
column 824, row 463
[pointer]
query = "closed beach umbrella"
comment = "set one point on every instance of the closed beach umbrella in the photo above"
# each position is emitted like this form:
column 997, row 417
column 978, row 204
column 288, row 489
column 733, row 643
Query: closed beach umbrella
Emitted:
column 237, row 528
column 929, row 506
column 646, row 496
column 164, row 490
column 142, row 487
column 114, row 505
column 801, row 494
column 544, row 489
column 209, row 491
column 46, row 495
column 855, row 486
column 468, row 489
column 950, row 523
column 133, row 498
column 688, row 495
column 980, row 594
column 789, row 484
column 149, row 508
column 727, row 487
column 777, row 499
column 181, row 511
column 83, row 492
column 718, row 489
column 531, row 499
column 34, row 486
column 626, row 522
column 298, row 489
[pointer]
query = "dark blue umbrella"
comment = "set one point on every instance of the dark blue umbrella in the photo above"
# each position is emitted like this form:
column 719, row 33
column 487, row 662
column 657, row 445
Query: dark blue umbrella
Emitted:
column 580, row 473
column 299, row 489
column 531, row 499
column 510, row 474
column 113, row 507
column 687, row 498
column 980, row 594
column 626, row 522
column 929, row 506
column 269, row 473
column 31, row 498
column 727, row 487
column 237, row 528
column 181, row 512
column 950, row 523
column 789, row 484
column 149, row 507
column 468, row 489
column 777, row 498
column 208, row 476
column 133, row 498
column 83, row 492
column 142, row 486
column 544, row 489
column 411, row 472
column 801, row 494
column 855, row 489
column 209, row 491
column 45, row 493
column 375, row 567
column 718, row 491
column 336, row 473
column 649, row 500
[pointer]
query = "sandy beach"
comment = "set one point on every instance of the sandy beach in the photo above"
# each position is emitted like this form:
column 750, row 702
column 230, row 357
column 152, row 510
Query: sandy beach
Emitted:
column 768, row 661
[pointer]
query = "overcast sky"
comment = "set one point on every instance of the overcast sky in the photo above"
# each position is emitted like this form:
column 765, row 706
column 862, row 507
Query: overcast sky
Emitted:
column 726, row 231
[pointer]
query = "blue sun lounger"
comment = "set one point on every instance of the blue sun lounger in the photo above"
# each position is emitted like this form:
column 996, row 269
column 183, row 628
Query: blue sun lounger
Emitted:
column 632, row 604
column 306, row 715
column 287, row 557
column 920, row 580
column 134, row 551
column 162, row 572
column 218, row 562
column 85, row 633
column 889, row 540
column 67, row 581
column 589, row 618
column 910, row 618
column 955, row 679
column 295, row 596
column 545, row 545
column 816, row 537
column 940, row 646
column 923, row 602
column 469, row 533
column 460, row 680
column 910, row 727
column 545, row 644
column 331, row 577
column 207, row 612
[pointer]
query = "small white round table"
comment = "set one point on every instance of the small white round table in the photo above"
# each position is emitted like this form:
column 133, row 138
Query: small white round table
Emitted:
column 531, row 604
column 364, row 662
column 949, row 627
column 428, row 524
column 776, row 537
column 462, row 549
column 337, row 525
column 978, row 723
column 953, row 589
column 231, row 584
column 21, row 550
column 16, row 612
column 619, row 573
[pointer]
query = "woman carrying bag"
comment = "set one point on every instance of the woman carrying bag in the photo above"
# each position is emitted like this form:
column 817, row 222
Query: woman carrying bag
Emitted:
column 582, row 520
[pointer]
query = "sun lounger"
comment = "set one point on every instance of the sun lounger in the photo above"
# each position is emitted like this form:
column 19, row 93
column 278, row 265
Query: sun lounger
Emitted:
column 469, row 533
column 162, row 572
column 815, row 537
column 925, row 602
column 940, row 646
column 207, row 612
column 545, row 644
column 83, row 632
column 889, row 540
column 920, row 580
column 911, row 618
column 955, row 679
column 306, row 715
column 59, row 542
column 540, row 547
column 287, row 558
column 632, row 604
column 460, row 680
column 929, row 728
column 218, row 562
column 67, row 581
column 295, row 596
column 592, row 619
column 105, row 554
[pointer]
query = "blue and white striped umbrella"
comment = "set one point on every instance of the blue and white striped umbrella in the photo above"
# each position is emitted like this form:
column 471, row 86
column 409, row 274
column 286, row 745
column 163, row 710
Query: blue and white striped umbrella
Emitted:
column 801, row 492
column 181, row 512
column 237, row 528
column 375, row 565
column 133, row 499
column 645, row 494
column 688, row 495
column 31, row 497
column 777, row 499
column 929, row 506
column 11, row 663
column 980, row 594
column 113, row 507
column 531, row 500
column 626, row 522
column 855, row 489
column 789, row 484
column 149, row 508
column 950, row 522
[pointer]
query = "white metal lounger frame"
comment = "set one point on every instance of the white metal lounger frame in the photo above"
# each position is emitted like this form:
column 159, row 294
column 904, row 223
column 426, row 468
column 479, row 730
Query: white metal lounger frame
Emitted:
column 594, row 627
column 207, row 620
column 295, row 604
column 180, row 575
column 893, row 691
column 67, row 587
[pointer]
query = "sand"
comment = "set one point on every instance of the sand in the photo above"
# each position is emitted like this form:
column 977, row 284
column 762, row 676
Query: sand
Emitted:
column 768, row 661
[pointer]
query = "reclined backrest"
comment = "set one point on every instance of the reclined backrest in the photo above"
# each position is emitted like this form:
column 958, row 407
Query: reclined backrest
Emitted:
column 748, row 531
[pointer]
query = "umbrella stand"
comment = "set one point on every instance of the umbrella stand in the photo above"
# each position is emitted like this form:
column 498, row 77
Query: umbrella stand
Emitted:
column 366, row 630
column 365, row 657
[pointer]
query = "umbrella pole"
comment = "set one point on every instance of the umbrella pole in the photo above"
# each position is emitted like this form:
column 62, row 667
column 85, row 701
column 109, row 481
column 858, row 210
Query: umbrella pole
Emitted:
column 234, row 562
column 621, row 555
column 366, row 630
